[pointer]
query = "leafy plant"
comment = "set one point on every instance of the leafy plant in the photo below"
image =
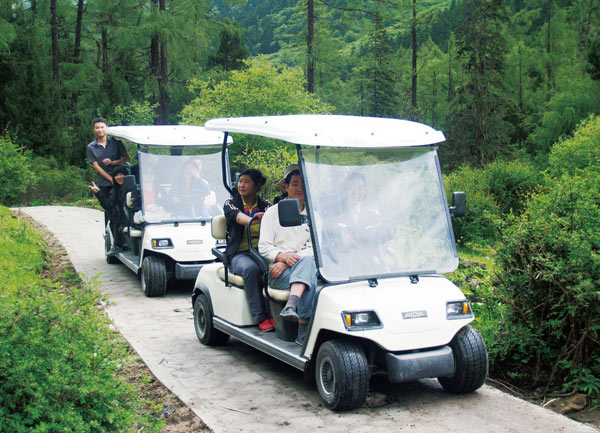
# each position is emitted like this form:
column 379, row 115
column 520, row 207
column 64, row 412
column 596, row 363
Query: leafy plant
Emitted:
column 16, row 172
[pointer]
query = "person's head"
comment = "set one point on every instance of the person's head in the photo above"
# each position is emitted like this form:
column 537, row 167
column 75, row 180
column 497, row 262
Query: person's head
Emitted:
column 119, row 174
column 190, row 170
column 293, row 183
column 100, row 127
column 250, row 182
column 355, row 187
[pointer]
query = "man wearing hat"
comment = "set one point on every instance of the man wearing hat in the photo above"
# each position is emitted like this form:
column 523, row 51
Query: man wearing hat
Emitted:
column 282, row 186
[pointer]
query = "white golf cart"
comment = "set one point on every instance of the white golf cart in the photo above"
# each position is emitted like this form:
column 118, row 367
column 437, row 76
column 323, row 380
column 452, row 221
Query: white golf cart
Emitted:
column 171, row 199
column 382, row 236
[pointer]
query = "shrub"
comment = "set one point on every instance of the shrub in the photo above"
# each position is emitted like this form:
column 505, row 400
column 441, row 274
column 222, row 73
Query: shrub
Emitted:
column 550, row 278
column 510, row 183
column 480, row 222
column 577, row 152
column 58, row 359
column 16, row 173
column 56, row 183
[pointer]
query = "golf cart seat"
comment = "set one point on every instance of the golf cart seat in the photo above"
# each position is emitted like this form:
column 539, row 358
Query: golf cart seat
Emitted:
column 219, row 232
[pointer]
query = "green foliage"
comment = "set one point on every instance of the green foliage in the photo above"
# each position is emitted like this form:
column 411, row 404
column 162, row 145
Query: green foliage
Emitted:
column 550, row 278
column 56, row 183
column 58, row 359
column 480, row 223
column 16, row 172
column 136, row 113
column 577, row 152
column 510, row 183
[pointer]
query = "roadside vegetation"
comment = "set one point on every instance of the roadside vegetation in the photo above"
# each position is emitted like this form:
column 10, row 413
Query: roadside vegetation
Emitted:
column 59, row 360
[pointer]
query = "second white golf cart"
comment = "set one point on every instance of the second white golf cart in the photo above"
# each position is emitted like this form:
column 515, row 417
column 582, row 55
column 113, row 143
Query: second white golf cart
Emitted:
column 382, row 237
column 171, row 200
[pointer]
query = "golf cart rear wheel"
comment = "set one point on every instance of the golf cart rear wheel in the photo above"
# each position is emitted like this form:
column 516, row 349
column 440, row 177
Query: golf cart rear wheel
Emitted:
column 154, row 276
column 203, row 324
column 470, row 360
column 111, row 260
column 342, row 375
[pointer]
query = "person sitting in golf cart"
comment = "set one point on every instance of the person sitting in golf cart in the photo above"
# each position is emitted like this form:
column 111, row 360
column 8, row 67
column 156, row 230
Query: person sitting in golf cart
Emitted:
column 187, row 198
column 238, row 211
column 289, row 251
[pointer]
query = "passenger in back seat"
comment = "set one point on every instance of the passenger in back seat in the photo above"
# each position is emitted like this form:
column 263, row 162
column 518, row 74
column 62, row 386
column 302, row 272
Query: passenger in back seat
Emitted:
column 239, row 210
column 289, row 250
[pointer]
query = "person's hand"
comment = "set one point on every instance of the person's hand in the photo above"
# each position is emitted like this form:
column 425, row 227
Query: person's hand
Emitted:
column 348, row 240
column 94, row 187
column 107, row 161
column 259, row 216
column 277, row 269
column 289, row 259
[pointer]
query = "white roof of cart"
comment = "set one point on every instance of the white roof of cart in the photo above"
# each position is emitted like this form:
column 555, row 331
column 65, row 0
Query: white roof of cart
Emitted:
column 168, row 135
column 332, row 130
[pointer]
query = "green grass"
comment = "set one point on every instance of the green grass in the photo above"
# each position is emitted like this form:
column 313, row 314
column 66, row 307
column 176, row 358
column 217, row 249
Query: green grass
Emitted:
column 59, row 361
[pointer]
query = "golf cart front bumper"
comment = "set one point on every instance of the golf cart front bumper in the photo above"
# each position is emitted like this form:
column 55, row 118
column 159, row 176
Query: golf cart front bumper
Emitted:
column 187, row 271
column 407, row 367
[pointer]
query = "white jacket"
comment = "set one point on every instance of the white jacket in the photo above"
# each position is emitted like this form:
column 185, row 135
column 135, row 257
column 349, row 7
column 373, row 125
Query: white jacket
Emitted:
column 275, row 239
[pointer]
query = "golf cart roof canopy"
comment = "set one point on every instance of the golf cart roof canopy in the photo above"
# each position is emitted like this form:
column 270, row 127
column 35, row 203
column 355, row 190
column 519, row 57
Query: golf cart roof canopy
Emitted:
column 332, row 130
column 168, row 135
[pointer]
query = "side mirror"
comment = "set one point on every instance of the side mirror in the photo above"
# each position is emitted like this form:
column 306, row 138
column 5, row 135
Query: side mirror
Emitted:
column 129, row 183
column 459, row 204
column 289, row 213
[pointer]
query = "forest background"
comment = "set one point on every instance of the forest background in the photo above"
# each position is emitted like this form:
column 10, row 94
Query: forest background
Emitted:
column 514, row 85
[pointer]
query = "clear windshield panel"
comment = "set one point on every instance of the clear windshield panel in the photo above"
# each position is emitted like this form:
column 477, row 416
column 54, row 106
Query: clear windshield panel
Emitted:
column 379, row 212
column 181, row 187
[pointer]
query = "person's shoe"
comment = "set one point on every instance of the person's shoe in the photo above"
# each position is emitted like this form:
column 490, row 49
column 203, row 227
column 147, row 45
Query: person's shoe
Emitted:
column 289, row 313
column 266, row 325
column 299, row 340
column 272, row 322
column 113, row 251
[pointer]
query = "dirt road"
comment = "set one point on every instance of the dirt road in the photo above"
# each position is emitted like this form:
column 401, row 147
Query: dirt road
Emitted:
column 237, row 389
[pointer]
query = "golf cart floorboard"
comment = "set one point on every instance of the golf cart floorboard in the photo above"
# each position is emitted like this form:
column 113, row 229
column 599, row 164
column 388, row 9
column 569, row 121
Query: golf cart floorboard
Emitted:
column 267, row 342
column 129, row 259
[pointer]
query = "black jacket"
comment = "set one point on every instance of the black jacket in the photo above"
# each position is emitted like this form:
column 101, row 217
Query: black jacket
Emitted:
column 235, row 232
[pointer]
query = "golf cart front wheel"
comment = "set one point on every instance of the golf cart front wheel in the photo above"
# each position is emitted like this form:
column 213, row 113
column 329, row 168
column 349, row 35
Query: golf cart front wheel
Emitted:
column 342, row 375
column 203, row 324
column 470, row 360
column 154, row 276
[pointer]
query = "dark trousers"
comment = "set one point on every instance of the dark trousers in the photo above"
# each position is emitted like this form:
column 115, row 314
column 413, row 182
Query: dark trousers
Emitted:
column 242, row 264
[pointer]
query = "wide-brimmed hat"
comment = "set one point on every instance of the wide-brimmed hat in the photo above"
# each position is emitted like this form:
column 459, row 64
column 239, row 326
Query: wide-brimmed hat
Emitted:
column 289, row 169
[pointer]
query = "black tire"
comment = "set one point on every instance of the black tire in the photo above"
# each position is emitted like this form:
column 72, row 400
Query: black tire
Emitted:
column 203, row 324
column 342, row 375
column 470, row 360
column 154, row 276
column 111, row 260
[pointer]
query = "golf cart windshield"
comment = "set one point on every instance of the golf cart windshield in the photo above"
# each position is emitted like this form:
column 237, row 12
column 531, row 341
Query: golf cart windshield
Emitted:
column 181, row 187
column 378, row 212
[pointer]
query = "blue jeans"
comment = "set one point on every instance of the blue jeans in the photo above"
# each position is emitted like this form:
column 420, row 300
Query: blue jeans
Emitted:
column 244, row 265
column 304, row 271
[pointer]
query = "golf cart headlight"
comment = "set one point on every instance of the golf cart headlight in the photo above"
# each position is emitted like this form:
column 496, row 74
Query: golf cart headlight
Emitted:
column 458, row 310
column 162, row 243
column 361, row 320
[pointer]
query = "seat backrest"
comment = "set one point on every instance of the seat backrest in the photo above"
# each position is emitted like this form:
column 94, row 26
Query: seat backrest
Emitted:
column 219, row 227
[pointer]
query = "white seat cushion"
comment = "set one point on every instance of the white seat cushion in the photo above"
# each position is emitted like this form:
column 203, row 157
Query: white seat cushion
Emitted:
column 234, row 279
column 279, row 295
column 218, row 227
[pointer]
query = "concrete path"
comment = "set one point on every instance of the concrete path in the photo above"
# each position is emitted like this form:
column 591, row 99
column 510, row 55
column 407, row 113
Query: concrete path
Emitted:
column 238, row 389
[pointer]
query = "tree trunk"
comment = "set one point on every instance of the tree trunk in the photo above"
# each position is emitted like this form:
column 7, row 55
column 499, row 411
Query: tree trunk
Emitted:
column 549, row 75
column 54, row 36
column 310, row 63
column 163, row 80
column 78, row 31
column 105, row 65
column 434, row 100
column 450, row 84
column 414, row 55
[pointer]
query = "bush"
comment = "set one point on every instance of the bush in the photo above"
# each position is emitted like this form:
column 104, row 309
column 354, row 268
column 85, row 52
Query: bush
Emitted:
column 510, row 183
column 550, row 278
column 479, row 225
column 577, row 152
column 16, row 174
column 56, row 183
column 58, row 359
